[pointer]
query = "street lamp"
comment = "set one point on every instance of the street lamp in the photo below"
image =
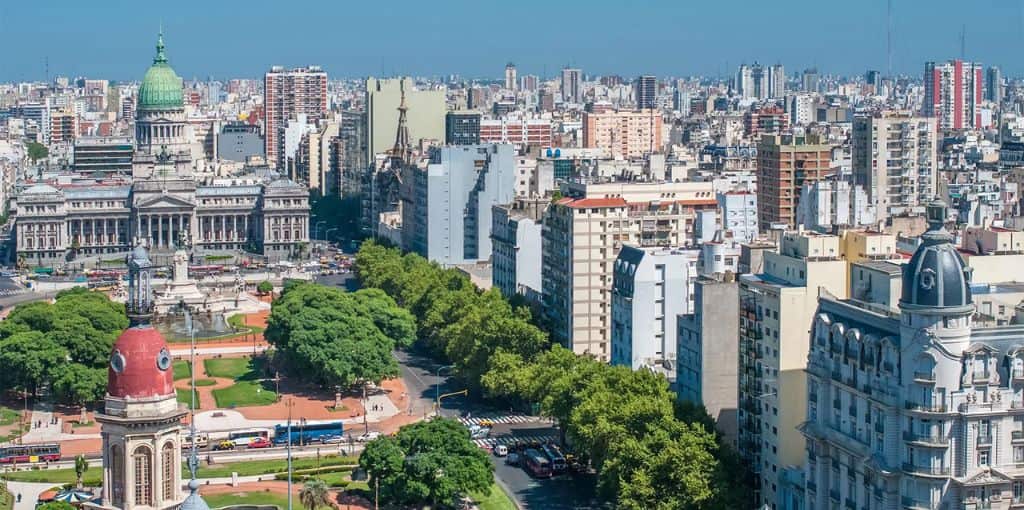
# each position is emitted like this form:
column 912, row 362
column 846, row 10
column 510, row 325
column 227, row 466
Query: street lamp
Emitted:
column 328, row 233
column 437, row 387
column 316, row 228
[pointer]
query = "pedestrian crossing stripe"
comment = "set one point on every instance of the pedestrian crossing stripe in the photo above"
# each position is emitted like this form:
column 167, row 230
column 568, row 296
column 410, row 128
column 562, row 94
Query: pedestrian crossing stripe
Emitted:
column 491, row 442
column 508, row 418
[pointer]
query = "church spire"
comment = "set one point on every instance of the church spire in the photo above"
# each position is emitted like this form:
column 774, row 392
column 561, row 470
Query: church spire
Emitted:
column 401, row 150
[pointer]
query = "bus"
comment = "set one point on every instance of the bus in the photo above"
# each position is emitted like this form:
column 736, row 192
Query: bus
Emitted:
column 202, row 439
column 536, row 463
column 18, row 454
column 306, row 433
column 207, row 270
column 244, row 437
column 558, row 464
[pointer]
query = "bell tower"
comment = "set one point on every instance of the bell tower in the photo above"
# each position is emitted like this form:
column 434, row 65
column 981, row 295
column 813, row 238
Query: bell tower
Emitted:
column 141, row 420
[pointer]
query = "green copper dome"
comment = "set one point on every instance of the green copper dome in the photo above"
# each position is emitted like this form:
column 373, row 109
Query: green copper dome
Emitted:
column 161, row 88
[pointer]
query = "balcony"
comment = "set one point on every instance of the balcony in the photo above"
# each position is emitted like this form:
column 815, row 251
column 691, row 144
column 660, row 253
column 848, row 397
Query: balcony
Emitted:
column 1018, row 375
column 926, row 470
column 924, row 377
column 926, row 407
column 984, row 440
column 913, row 504
column 1017, row 435
column 935, row 440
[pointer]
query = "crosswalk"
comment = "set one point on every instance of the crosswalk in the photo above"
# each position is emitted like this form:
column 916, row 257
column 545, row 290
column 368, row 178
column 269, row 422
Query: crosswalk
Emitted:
column 12, row 292
column 498, row 418
column 491, row 442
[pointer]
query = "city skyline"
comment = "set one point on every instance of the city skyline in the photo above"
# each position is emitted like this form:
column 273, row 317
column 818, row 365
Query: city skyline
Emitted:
column 225, row 41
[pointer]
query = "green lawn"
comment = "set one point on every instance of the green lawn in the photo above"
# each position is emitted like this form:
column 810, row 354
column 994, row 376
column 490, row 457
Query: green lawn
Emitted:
column 497, row 500
column 234, row 368
column 6, row 499
column 266, row 467
column 185, row 397
column 93, row 477
column 205, row 382
column 249, row 498
column 182, row 369
column 8, row 416
column 244, row 394
column 237, row 321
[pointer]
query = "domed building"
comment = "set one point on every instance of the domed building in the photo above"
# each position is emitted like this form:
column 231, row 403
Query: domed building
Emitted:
column 162, row 135
column 141, row 420
column 918, row 407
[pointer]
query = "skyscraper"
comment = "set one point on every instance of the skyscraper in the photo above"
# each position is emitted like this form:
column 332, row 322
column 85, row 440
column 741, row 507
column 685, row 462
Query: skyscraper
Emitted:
column 572, row 85
column 510, row 77
column 810, row 80
column 873, row 79
column 776, row 82
column 646, row 92
column 462, row 128
column 952, row 93
column 288, row 93
column 744, row 84
column 993, row 84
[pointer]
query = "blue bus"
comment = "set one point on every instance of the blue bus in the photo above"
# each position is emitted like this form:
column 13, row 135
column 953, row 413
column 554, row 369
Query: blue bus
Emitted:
column 306, row 433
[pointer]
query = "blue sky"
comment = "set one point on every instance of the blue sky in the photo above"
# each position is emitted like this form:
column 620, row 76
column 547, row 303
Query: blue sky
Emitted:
column 352, row 38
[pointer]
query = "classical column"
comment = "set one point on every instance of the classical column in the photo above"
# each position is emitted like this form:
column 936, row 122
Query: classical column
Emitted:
column 150, row 238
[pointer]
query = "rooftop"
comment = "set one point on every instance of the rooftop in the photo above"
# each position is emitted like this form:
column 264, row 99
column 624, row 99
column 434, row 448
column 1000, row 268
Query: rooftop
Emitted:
column 881, row 266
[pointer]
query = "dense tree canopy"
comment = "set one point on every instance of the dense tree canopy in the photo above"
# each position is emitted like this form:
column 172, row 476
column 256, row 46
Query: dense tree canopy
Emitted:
column 65, row 344
column 430, row 462
column 650, row 451
column 338, row 338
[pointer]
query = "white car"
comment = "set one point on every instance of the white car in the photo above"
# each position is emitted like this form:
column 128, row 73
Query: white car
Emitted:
column 478, row 432
column 367, row 437
column 500, row 450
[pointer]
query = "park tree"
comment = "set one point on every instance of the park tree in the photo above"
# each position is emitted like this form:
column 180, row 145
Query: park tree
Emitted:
column 36, row 151
column 265, row 288
column 56, row 505
column 28, row 359
column 81, row 466
column 432, row 462
column 314, row 494
column 79, row 385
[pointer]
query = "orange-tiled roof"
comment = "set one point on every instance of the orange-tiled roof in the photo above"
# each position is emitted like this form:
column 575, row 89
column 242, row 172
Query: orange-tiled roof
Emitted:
column 581, row 203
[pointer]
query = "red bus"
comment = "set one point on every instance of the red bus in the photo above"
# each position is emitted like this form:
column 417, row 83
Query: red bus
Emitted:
column 29, row 453
column 195, row 271
column 536, row 463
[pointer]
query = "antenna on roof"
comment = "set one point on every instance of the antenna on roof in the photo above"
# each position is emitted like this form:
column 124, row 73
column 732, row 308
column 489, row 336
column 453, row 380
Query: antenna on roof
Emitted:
column 963, row 41
column 888, row 38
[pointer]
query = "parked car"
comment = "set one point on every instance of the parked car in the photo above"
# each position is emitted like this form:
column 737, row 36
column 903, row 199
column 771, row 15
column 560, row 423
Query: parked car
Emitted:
column 260, row 443
column 478, row 432
column 224, row 445
column 335, row 439
column 367, row 437
column 500, row 450
column 512, row 459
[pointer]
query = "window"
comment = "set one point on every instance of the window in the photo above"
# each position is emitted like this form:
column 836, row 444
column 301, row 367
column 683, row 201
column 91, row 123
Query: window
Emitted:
column 168, row 466
column 117, row 475
column 142, row 469
column 983, row 458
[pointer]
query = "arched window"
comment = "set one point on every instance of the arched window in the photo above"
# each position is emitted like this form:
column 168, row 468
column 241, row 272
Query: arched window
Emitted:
column 142, row 469
column 117, row 475
column 168, row 464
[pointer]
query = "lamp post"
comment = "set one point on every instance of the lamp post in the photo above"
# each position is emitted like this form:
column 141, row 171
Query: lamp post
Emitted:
column 316, row 228
column 328, row 233
column 437, row 388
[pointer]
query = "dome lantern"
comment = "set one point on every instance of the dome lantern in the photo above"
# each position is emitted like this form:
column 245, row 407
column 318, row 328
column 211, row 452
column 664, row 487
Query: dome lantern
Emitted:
column 937, row 276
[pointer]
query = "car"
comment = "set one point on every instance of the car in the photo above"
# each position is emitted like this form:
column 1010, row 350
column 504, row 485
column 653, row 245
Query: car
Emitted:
column 478, row 432
column 367, row 437
column 224, row 445
column 512, row 459
column 334, row 439
column 260, row 443
column 500, row 450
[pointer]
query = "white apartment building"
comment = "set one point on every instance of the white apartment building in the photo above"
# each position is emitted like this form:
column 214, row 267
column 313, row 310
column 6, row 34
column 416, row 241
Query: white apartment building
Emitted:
column 516, row 248
column 895, row 161
column 650, row 287
column 739, row 214
column 828, row 203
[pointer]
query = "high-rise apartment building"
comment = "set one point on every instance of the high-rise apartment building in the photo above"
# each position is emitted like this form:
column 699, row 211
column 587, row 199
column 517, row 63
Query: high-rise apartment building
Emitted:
column 776, row 82
column 624, row 134
column 784, row 164
column 832, row 203
column 572, row 86
column 510, row 77
column 520, row 133
column 645, row 89
column 462, row 128
column 287, row 94
column 993, row 85
column 582, row 236
column 810, row 80
column 953, row 94
column 446, row 206
column 744, row 82
column 873, row 79
column 894, row 160
column 63, row 126
column 529, row 82
column 516, row 232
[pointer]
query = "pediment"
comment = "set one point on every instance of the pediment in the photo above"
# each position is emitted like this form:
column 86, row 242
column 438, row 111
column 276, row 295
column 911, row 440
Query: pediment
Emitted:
column 161, row 201
column 988, row 477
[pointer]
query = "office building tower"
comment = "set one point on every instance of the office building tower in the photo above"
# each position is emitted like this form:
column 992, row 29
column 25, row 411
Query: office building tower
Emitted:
column 425, row 114
column 759, row 81
column 313, row 160
column 993, row 85
column 351, row 148
column 953, row 94
column 624, row 134
column 521, row 133
column 446, row 205
column 894, row 160
column 572, row 86
column 108, row 157
column 744, row 82
column 776, row 82
column 646, row 91
column 462, row 128
column 873, row 79
column 529, row 82
column 784, row 164
column 510, row 77
column 287, row 94
column 651, row 287
column 776, row 309
column 916, row 405
column 516, row 232
column 810, row 80
column 707, row 351
column 582, row 236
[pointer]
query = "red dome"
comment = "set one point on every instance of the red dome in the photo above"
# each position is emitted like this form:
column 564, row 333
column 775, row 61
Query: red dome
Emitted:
column 140, row 365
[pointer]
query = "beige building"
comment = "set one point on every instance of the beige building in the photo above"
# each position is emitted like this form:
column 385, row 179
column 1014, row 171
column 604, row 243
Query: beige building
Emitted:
column 314, row 165
column 424, row 118
column 894, row 160
column 582, row 236
column 624, row 134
